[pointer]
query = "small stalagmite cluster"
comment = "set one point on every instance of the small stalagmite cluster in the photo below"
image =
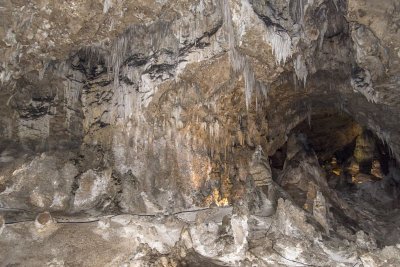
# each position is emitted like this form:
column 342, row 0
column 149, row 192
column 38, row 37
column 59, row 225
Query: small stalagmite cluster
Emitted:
column 200, row 133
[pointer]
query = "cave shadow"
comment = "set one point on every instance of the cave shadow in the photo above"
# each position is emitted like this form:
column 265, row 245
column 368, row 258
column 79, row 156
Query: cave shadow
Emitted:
column 358, row 167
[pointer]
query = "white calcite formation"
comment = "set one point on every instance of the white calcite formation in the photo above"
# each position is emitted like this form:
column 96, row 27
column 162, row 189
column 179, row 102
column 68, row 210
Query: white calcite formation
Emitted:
column 171, row 133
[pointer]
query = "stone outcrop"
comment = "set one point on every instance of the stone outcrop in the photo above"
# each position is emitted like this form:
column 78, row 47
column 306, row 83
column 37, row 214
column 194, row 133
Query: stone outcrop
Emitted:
column 125, row 115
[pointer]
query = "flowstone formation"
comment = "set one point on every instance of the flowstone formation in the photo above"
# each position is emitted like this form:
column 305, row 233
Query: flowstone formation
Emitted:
column 200, row 133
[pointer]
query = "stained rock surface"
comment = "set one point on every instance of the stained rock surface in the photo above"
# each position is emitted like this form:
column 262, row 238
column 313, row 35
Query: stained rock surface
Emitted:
column 199, row 132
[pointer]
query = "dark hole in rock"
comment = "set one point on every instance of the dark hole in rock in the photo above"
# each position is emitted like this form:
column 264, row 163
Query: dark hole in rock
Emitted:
column 277, row 160
column 351, row 167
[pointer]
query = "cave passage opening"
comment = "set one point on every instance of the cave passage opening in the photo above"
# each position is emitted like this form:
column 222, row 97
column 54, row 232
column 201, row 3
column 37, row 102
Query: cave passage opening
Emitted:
column 362, row 177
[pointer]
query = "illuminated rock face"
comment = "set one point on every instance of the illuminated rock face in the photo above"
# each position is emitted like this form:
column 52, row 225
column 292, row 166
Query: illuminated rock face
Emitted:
column 156, row 107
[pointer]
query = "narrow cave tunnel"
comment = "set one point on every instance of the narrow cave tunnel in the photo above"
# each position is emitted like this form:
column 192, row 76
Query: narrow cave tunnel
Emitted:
column 357, row 167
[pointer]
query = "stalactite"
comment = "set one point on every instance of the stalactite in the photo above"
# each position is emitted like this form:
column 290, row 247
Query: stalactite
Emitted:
column 281, row 44
column 240, row 62
column 117, row 56
column 72, row 89
column 301, row 9
column 301, row 69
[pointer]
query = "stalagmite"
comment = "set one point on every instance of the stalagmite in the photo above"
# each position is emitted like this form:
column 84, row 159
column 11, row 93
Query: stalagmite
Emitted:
column 199, row 133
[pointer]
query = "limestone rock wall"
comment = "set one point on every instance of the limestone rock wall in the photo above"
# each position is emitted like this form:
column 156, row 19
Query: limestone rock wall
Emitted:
column 168, row 100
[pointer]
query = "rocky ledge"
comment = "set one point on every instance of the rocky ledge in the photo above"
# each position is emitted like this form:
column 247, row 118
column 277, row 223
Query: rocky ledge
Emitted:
column 199, row 132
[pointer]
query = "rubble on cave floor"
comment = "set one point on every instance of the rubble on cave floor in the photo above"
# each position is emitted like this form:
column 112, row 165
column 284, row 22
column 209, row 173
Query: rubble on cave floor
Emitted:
column 213, row 237
column 312, row 225
column 200, row 133
column 309, row 213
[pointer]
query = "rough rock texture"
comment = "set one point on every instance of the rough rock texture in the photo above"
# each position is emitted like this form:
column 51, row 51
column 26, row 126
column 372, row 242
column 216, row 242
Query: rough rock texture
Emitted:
column 120, row 112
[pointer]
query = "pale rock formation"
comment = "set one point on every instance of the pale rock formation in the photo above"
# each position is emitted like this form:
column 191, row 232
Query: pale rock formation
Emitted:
column 260, row 169
column 148, row 130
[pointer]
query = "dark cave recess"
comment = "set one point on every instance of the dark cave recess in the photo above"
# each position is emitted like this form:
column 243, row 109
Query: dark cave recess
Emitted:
column 356, row 165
